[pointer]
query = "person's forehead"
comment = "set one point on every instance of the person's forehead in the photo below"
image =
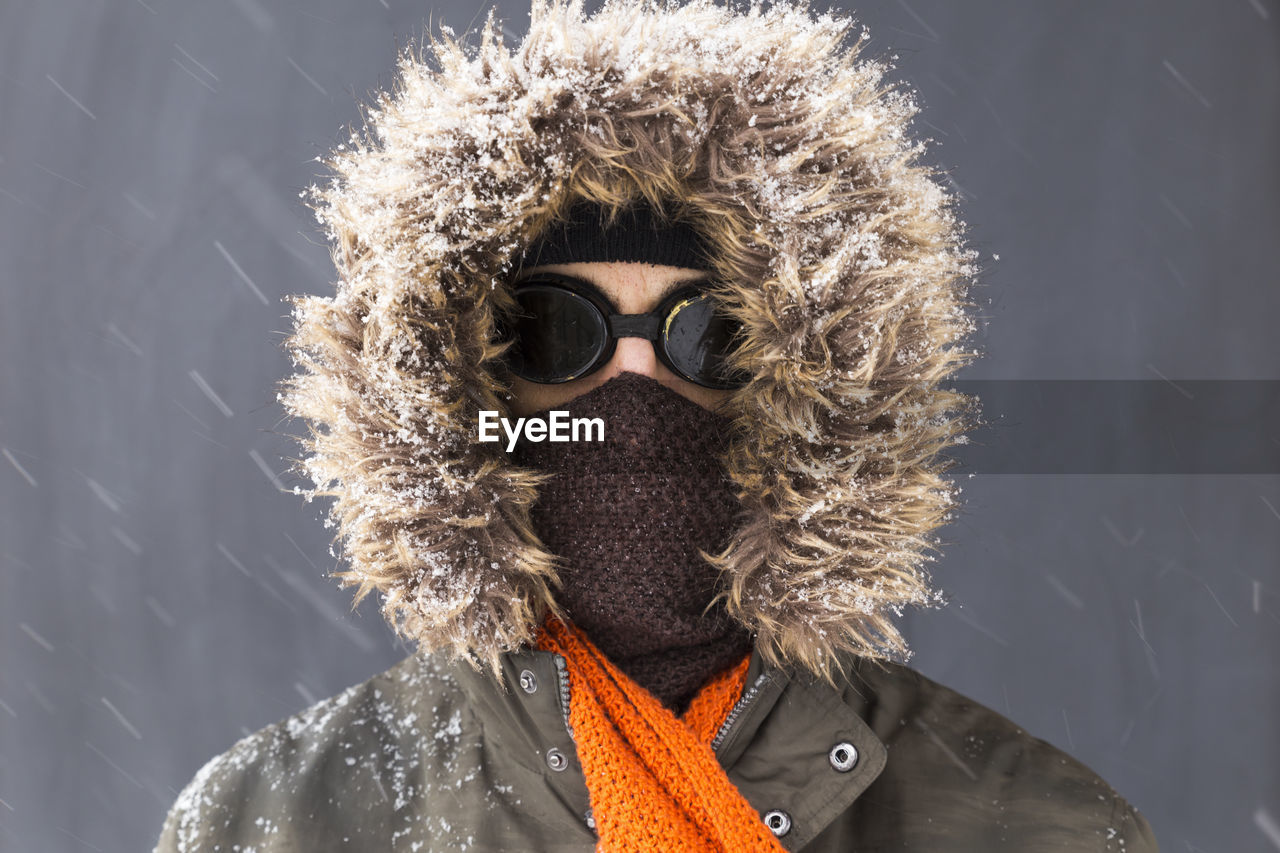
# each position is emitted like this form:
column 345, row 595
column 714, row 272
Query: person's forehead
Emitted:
column 617, row 275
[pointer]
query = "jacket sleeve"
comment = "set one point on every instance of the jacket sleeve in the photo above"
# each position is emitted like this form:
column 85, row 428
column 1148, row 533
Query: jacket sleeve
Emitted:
column 1129, row 831
column 176, row 833
column 168, row 842
column 186, row 824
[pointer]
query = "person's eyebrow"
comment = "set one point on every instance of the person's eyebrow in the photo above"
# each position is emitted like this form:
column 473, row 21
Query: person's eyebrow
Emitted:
column 675, row 284
column 575, row 277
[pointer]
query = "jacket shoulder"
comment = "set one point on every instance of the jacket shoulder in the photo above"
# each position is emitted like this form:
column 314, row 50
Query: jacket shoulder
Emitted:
column 294, row 779
column 949, row 754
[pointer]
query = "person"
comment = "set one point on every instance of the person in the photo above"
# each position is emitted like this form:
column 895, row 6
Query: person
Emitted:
column 701, row 234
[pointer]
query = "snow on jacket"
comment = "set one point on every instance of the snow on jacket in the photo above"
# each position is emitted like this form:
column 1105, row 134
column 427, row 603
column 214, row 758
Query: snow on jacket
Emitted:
column 844, row 261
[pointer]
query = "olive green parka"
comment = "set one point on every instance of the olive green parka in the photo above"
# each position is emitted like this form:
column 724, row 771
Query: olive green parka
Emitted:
column 842, row 258
column 430, row 756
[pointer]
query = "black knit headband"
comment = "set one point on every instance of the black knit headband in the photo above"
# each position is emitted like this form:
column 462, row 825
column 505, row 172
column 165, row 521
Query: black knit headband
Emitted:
column 636, row 235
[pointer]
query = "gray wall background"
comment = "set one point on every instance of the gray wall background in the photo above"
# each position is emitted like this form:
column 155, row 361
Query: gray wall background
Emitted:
column 160, row 595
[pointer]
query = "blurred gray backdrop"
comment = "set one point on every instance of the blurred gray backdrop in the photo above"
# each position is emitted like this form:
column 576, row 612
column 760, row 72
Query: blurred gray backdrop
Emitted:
column 163, row 593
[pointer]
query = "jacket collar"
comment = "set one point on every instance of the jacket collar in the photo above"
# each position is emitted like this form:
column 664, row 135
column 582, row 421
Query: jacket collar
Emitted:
column 776, row 745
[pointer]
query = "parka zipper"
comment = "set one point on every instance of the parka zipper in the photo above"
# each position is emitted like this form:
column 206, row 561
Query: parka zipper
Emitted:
column 737, row 709
column 562, row 682
column 562, row 679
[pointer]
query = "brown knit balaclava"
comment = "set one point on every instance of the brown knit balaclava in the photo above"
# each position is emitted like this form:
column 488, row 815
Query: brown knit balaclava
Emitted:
column 627, row 517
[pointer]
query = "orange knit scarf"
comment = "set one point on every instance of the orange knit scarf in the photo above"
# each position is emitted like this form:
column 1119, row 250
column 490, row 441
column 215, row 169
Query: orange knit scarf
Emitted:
column 655, row 783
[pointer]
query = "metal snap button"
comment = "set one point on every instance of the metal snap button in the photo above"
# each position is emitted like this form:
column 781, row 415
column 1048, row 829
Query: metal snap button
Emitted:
column 591, row 821
column 528, row 681
column 843, row 756
column 556, row 760
column 778, row 821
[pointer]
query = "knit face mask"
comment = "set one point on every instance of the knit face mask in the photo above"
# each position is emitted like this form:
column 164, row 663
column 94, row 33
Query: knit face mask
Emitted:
column 627, row 517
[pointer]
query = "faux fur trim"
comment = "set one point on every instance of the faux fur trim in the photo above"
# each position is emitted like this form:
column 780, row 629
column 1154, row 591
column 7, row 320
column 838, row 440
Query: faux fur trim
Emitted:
column 837, row 250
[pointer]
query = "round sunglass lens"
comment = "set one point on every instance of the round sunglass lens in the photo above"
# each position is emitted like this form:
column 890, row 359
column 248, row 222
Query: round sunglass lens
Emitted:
column 558, row 334
column 698, row 339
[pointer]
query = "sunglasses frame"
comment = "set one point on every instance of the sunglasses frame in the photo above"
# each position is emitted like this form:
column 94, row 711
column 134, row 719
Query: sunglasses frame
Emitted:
column 653, row 326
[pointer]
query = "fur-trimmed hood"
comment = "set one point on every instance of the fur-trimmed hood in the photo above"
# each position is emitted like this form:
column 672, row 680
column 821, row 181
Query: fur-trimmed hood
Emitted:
column 839, row 253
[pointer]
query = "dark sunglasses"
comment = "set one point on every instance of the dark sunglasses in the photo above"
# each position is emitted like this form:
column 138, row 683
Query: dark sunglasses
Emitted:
column 565, row 329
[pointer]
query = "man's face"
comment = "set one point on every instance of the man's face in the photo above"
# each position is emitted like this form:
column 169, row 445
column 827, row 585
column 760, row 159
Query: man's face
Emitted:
column 633, row 288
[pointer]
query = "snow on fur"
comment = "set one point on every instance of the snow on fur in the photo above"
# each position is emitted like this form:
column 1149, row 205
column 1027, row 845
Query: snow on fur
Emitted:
column 840, row 254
